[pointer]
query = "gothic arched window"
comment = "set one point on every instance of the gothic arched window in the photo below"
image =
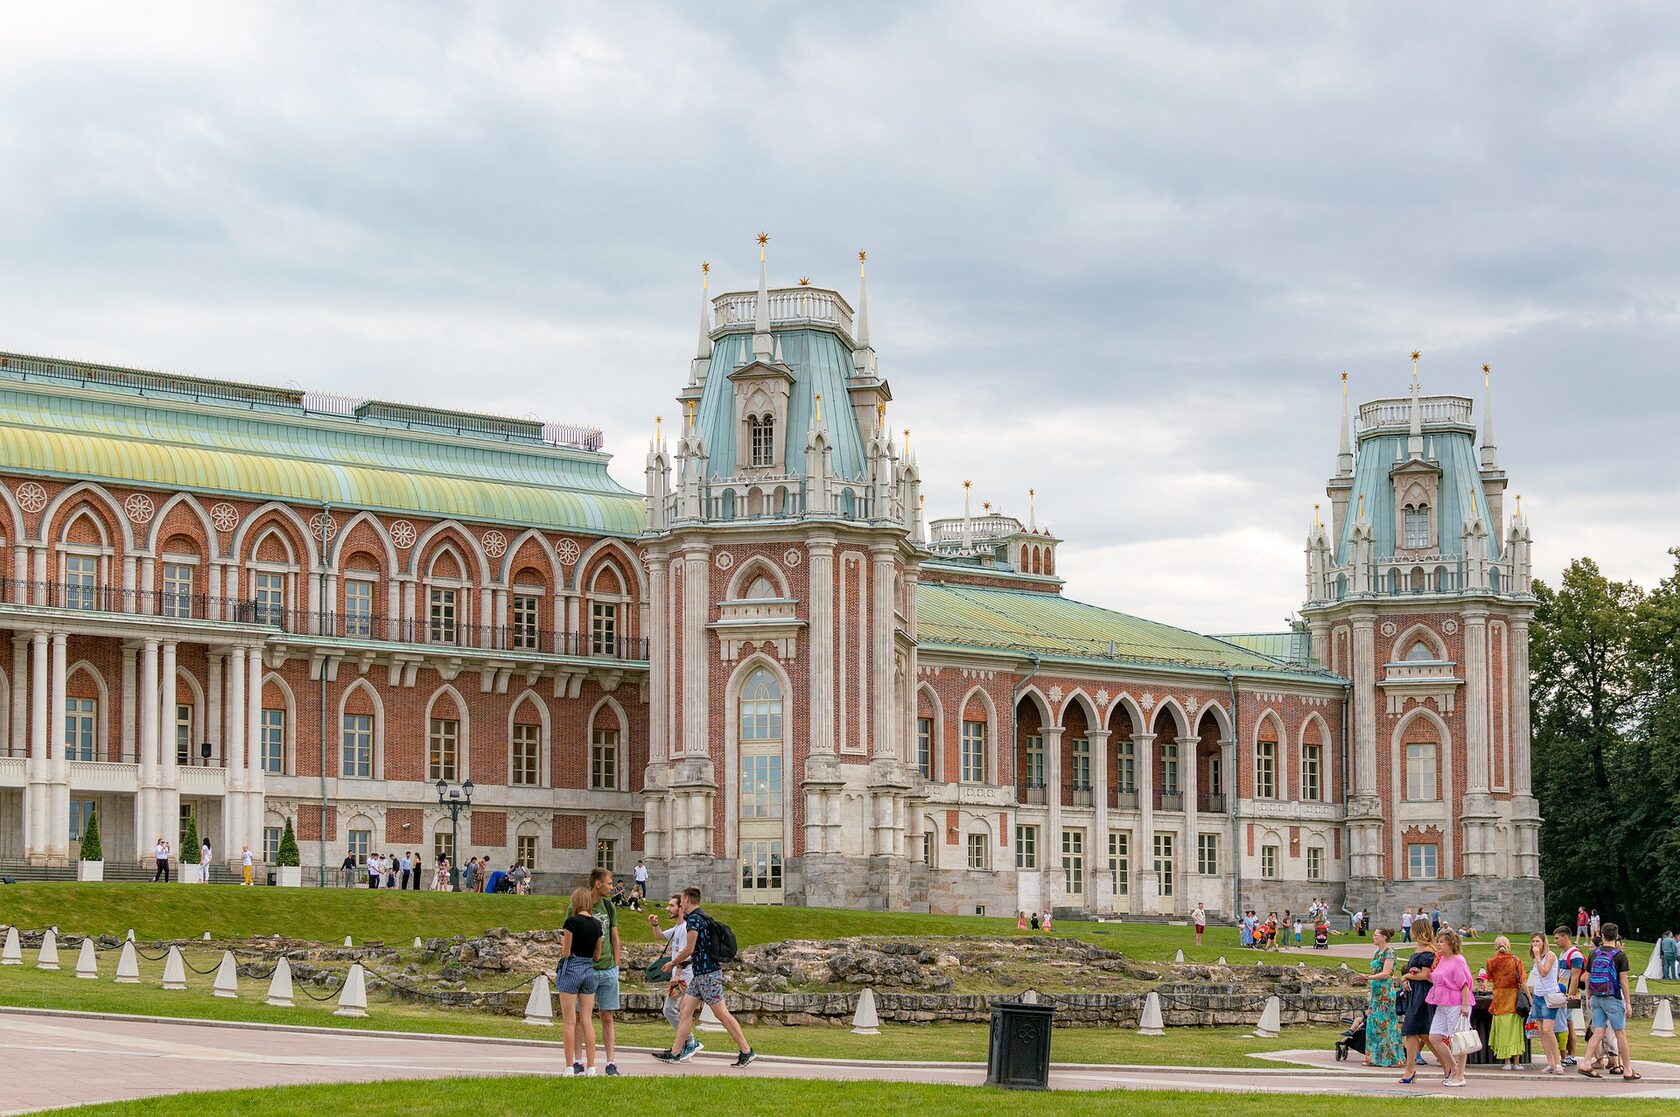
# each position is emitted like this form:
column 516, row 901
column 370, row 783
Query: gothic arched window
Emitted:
column 1417, row 525
column 762, row 430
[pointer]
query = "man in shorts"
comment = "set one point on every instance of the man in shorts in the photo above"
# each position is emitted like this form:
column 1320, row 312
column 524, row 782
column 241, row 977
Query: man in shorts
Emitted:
column 606, row 966
column 1607, row 985
column 677, row 936
column 705, row 988
column 1571, row 964
column 1200, row 919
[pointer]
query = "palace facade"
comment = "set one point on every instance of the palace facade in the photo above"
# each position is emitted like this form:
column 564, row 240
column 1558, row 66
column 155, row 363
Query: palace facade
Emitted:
column 767, row 674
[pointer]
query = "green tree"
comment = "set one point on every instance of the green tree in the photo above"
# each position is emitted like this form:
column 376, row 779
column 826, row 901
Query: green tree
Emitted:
column 189, row 843
column 92, row 849
column 1584, row 690
column 287, row 855
column 1654, row 825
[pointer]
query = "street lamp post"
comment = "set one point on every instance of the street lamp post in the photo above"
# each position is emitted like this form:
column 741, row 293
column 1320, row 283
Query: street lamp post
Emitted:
column 454, row 798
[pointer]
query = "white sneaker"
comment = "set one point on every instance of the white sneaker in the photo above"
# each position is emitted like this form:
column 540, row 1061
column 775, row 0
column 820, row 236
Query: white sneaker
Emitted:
column 590, row 1073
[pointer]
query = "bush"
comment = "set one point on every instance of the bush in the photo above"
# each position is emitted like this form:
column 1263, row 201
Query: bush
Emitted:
column 189, row 843
column 287, row 856
column 92, row 850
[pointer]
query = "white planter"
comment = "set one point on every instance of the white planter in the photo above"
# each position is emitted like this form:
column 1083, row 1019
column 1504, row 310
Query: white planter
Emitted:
column 289, row 876
column 189, row 873
column 90, row 870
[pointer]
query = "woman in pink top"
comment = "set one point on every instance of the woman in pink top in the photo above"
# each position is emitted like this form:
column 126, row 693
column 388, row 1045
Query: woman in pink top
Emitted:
column 1453, row 994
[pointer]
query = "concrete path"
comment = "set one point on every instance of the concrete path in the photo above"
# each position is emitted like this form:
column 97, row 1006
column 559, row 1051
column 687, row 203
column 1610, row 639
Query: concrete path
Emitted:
column 74, row 1059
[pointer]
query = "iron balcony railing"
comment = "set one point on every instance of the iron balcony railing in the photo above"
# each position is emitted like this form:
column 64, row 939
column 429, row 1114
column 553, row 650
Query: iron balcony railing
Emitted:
column 436, row 632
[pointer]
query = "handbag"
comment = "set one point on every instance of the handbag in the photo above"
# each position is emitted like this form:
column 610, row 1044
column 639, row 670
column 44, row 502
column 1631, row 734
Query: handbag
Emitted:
column 1524, row 1001
column 1465, row 1041
column 655, row 971
column 1557, row 1000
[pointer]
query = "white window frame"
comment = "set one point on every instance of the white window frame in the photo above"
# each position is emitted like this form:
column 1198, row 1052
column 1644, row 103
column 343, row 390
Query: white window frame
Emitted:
column 1430, row 787
column 80, row 720
column 358, row 607
column 1269, row 858
column 1120, row 862
column 515, row 744
column 81, row 589
column 1315, row 862
column 604, row 744
column 1423, row 861
column 268, row 594
column 979, row 852
column 176, row 602
column 1026, row 848
column 1266, row 770
column 975, row 768
column 1073, row 861
column 344, row 735
column 265, row 731
column 443, row 750
column 1165, row 862
column 525, row 620
column 1312, row 772
column 1207, row 854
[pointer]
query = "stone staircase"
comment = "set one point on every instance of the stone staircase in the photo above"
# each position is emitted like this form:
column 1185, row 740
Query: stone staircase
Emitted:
column 126, row 871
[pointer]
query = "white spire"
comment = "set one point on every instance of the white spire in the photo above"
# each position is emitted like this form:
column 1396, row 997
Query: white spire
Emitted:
column 1344, row 455
column 863, row 357
column 704, row 350
column 1490, row 453
column 1414, row 442
column 763, row 347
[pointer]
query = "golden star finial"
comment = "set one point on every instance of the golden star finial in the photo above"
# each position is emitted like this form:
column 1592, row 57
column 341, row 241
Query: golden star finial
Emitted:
column 763, row 239
column 804, row 281
column 966, row 484
column 862, row 255
column 1487, row 368
column 985, row 506
column 1416, row 354
column 705, row 267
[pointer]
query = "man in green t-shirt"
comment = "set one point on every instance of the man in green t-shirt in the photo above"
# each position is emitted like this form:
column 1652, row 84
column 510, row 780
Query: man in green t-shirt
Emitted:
column 606, row 966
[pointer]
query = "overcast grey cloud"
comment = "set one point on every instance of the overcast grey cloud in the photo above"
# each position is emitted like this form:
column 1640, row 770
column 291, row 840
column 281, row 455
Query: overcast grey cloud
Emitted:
column 1119, row 253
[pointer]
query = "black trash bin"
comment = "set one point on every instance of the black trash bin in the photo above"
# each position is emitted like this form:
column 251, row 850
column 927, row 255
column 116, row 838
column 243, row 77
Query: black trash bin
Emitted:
column 1019, row 1058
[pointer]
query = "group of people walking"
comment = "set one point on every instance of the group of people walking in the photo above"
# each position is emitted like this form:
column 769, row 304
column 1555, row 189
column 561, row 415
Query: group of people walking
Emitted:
column 1431, row 996
column 586, row 979
column 163, row 850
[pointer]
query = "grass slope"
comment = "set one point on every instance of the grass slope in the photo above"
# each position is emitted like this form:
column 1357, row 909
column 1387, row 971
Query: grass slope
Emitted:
column 771, row 1097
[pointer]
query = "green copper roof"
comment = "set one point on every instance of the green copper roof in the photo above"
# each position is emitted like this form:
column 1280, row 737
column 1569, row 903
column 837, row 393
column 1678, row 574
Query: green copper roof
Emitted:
column 821, row 364
column 119, row 435
column 1052, row 626
column 1455, row 452
column 1276, row 645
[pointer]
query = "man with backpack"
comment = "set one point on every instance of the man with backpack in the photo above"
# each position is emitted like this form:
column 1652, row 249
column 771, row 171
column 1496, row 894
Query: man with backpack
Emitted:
column 1607, row 985
column 710, row 944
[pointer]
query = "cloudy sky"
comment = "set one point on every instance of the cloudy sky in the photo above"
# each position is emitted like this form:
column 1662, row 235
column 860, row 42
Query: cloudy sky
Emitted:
column 1118, row 253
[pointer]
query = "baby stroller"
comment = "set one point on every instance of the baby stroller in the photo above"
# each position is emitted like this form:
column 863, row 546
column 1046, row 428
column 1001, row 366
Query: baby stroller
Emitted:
column 1321, row 937
column 1353, row 1039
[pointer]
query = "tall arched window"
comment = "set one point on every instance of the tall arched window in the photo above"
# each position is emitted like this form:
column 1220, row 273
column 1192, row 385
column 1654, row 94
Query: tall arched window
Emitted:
column 762, row 429
column 761, row 788
column 1417, row 525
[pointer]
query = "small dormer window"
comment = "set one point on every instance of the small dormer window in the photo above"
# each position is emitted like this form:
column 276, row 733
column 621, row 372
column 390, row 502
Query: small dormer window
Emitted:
column 762, row 431
column 1417, row 525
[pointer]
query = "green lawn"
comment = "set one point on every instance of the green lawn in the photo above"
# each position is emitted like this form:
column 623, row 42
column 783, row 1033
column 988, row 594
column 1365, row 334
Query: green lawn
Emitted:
column 753, row 1095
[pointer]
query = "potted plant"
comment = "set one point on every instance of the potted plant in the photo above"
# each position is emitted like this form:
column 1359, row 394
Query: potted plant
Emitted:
column 288, row 873
column 92, row 864
column 191, row 871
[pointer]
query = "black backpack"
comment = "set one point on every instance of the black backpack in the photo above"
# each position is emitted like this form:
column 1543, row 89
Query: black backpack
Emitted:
column 720, row 941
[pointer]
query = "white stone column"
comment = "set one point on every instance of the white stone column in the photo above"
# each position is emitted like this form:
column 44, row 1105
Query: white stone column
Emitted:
column 1144, row 883
column 214, row 695
column 1477, row 813
column 696, row 664
column 128, row 742
column 1190, row 781
column 17, row 739
column 659, row 704
column 485, row 618
column 36, row 796
column 1099, row 886
column 1053, row 883
column 58, row 835
column 253, row 751
column 148, row 822
column 1522, row 777
column 884, row 740
column 1365, row 713
column 234, row 803
column 821, row 592
column 146, row 600
column 169, row 767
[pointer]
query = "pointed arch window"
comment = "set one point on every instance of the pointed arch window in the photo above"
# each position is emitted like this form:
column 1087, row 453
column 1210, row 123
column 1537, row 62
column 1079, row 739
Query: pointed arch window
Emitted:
column 761, row 752
column 1416, row 518
column 761, row 430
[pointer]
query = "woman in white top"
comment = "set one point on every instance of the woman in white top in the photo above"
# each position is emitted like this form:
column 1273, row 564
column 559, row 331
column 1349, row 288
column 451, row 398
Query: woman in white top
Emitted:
column 1547, row 1004
column 204, row 858
column 245, row 861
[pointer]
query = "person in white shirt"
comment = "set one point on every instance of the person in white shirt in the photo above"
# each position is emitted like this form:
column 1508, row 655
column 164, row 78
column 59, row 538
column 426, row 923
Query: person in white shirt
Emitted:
column 641, row 879
column 677, row 936
column 1200, row 918
column 404, row 867
column 161, row 852
column 204, row 857
column 1406, row 925
column 245, row 860
column 374, row 870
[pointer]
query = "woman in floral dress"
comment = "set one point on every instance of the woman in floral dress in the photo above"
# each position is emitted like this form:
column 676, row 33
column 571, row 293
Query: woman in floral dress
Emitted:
column 1383, row 1045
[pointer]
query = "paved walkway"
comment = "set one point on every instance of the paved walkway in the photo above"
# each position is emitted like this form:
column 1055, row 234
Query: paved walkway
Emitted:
column 75, row 1059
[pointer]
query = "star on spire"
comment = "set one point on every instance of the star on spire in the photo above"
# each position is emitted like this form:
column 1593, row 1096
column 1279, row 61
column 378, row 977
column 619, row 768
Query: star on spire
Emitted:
column 763, row 239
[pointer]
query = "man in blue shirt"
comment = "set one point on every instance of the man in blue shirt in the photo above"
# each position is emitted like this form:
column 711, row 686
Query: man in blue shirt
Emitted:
column 705, row 989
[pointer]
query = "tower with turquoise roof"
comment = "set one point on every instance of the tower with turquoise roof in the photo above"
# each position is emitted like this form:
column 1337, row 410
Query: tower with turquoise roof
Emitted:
column 782, row 551
column 1420, row 593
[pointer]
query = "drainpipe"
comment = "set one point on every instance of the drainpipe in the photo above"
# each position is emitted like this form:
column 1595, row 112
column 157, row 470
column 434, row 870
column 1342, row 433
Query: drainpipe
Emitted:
column 1236, row 765
column 1347, row 846
column 326, row 511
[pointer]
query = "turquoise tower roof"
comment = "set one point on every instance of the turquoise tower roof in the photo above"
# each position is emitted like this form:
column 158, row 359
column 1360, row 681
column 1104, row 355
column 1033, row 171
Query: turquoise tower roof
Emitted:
column 820, row 362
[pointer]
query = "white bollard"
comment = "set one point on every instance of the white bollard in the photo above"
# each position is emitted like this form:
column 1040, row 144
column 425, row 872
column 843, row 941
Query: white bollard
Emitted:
column 1662, row 1023
column 1150, row 1023
column 128, row 965
column 1578, row 1020
column 12, row 955
column 539, row 1007
column 352, row 1000
column 1653, row 964
column 418, row 945
column 1641, row 987
column 48, row 959
column 280, row 986
column 207, row 936
column 347, row 941
column 87, row 964
column 227, row 977
column 174, row 970
column 1271, row 1019
column 866, row 1021
column 1179, row 956
column 1222, row 961
column 708, row 1020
